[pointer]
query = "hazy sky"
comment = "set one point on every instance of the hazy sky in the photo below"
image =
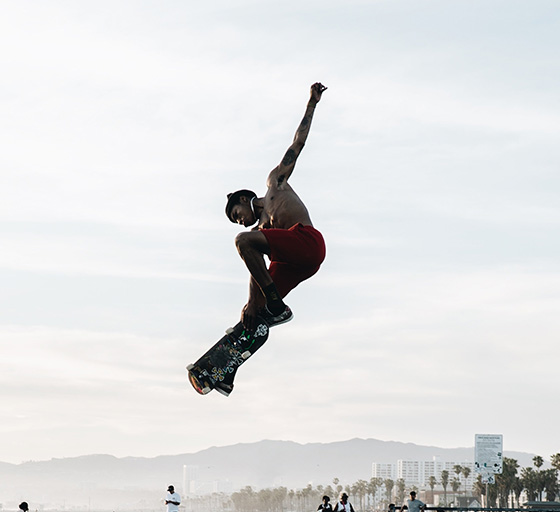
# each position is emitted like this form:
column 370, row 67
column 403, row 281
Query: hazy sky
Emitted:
column 431, row 169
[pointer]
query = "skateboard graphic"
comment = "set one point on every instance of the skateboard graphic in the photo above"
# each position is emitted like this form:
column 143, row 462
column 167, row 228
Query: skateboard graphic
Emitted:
column 216, row 369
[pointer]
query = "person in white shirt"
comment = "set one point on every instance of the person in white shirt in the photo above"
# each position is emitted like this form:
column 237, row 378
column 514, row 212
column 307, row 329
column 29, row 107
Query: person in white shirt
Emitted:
column 343, row 504
column 413, row 504
column 172, row 500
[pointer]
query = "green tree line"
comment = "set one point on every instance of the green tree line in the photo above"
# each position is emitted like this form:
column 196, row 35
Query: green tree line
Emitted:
column 376, row 493
column 538, row 484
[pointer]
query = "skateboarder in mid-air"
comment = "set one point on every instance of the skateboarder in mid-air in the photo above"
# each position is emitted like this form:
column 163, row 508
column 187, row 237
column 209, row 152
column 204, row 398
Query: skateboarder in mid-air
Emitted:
column 284, row 232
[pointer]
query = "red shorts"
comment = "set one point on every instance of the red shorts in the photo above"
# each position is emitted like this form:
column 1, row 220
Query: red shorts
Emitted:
column 295, row 255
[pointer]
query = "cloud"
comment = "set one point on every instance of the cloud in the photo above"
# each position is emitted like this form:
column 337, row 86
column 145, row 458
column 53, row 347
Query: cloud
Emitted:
column 430, row 170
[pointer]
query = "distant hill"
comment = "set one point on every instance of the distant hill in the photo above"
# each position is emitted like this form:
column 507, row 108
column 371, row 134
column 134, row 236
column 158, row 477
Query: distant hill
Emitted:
column 262, row 464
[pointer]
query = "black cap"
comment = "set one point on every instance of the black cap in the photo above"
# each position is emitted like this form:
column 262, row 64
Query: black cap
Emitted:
column 233, row 199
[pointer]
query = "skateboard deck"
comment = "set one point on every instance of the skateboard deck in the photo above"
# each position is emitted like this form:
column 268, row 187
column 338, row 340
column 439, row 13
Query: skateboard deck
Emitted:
column 216, row 369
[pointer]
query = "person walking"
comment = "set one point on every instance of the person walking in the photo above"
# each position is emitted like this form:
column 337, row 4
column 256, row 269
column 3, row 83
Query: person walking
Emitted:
column 343, row 504
column 325, row 506
column 172, row 500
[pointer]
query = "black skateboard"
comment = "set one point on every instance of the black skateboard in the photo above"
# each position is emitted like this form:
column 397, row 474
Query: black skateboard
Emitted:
column 216, row 369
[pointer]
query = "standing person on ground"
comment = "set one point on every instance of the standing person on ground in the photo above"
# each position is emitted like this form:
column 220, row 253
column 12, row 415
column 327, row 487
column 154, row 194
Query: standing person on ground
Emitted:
column 343, row 504
column 172, row 500
column 24, row 506
column 325, row 506
column 413, row 504
column 284, row 232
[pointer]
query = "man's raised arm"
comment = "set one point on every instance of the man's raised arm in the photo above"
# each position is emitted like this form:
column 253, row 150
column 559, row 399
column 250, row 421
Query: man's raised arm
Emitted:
column 281, row 173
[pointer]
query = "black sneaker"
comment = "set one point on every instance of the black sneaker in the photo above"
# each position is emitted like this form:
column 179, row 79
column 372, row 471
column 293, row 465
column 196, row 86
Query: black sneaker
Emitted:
column 281, row 318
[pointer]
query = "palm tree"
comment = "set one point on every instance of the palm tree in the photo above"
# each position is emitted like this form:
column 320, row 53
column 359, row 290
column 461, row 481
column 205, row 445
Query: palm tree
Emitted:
column 529, row 479
column 479, row 489
column 432, row 482
column 550, row 483
column 539, row 476
column 517, row 490
column 299, row 495
column 329, row 491
column 306, row 494
column 374, row 484
column 538, row 461
column 466, row 471
column 444, row 483
column 506, row 480
column 458, row 469
column 244, row 500
column 492, row 496
column 279, row 495
column 359, row 489
column 455, row 484
column 389, row 484
column 555, row 463
column 291, row 496
column 337, row 485
column 401, row 486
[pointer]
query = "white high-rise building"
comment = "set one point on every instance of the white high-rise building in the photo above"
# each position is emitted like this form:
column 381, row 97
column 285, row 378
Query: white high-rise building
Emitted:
column 418, row 472
column 190, row 477
column 381, row 470
column 411, row 471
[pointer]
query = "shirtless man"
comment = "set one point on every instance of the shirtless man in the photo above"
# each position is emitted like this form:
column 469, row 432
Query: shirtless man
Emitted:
column 284, row 232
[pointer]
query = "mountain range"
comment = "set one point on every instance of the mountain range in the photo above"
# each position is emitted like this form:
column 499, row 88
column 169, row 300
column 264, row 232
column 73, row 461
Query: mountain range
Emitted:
column 261, row 464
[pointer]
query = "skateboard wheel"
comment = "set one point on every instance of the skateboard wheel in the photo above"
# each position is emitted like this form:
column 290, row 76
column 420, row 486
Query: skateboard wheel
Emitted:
column 203, row 390
column 246, row 354
column 229, row 330
column 190, row 367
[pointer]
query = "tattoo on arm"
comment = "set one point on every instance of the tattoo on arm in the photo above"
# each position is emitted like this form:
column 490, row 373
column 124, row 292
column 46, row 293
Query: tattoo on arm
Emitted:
column 289, row 157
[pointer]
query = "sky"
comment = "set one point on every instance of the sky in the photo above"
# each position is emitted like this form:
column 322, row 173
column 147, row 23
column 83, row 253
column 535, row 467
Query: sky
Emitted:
column 431, row 169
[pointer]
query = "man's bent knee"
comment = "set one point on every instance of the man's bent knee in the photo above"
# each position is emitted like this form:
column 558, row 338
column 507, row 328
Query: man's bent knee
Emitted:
column 251, row 241
column 241, row 243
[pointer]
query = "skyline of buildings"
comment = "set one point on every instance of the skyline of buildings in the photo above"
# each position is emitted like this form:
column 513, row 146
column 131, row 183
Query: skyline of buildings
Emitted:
column 415, row 473
column 418, row 472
